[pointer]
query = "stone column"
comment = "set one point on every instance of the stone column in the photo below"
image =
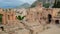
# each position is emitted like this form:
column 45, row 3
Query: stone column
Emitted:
column 3, row 19
column 10, row 17
column 13, row 16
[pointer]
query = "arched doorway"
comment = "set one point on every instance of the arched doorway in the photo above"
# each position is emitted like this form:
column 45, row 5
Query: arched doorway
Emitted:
column 49, row 18
column 1, row 18
column 56, row 21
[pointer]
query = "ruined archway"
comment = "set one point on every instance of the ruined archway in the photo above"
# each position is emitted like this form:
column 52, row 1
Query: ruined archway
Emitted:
column 49, row 18
column 56, row 21
column 1, row 18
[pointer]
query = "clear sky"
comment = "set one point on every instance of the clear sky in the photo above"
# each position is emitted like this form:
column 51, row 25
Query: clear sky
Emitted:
column 13, row 3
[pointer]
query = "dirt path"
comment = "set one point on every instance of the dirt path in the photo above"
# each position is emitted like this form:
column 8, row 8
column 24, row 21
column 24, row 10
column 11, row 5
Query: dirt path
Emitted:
column 53, row 30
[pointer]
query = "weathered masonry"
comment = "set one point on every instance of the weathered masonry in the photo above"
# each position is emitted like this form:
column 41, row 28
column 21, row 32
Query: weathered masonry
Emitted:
column 49, row 15
column 7, row 15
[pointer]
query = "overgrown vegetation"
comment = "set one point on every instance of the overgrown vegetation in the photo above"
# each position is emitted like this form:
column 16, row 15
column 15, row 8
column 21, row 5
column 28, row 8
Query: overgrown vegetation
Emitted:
column 56, row 4
column 33, row 5
column 20, row 17
column 0, row 17
column 46, row 5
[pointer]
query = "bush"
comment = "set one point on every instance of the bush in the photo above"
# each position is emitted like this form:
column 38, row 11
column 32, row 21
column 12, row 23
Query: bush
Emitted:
column 56, row 4
column 46, row 5
column 20, row 17
column 0, row 17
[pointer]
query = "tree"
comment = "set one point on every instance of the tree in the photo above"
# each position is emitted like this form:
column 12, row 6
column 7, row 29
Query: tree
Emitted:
column 34, row 4
column 46, row 5
column 56, row 4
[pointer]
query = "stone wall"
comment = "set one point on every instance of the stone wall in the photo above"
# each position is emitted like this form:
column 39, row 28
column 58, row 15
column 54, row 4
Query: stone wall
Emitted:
column 36, row 13
column 8, row 15
column 36, row 19
column 40, row 14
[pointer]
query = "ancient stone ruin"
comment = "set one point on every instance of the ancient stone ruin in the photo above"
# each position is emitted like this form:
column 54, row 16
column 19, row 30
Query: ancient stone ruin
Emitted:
column 7, row 15
column 35, row 21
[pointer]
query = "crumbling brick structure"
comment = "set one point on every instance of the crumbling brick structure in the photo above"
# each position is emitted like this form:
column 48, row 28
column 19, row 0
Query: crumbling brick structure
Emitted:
column 36, row 13
column 7, row 15
column 46, row 14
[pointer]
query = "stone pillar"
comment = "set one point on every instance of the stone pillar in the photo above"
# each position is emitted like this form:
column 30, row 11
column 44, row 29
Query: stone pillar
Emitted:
column 13, row 16
column 10, row 17
column 3, row 19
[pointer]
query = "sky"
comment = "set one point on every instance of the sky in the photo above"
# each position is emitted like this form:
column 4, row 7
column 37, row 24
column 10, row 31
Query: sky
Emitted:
column 13, row 3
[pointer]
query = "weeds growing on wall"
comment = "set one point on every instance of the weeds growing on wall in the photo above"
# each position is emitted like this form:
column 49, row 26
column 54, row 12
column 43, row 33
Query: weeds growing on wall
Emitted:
column 20, row 17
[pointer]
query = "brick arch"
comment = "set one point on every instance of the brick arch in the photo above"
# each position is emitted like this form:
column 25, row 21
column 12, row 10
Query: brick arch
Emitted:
column 49, row 18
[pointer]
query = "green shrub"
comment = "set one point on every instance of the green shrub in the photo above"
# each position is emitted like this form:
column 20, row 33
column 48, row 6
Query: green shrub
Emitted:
column 46, row 5
column 0, row 17
column 56, row 4
column 20, row 17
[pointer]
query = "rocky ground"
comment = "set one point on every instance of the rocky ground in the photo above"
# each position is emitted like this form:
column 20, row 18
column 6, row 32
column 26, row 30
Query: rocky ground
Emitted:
column 30, row 28
column 54, row 29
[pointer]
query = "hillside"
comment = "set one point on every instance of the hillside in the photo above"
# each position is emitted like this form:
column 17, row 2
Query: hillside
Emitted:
column 25, row 5
column 45, row 4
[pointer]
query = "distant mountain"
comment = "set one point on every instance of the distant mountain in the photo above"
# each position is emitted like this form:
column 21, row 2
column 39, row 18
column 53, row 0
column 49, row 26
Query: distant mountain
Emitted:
column 25, row 5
